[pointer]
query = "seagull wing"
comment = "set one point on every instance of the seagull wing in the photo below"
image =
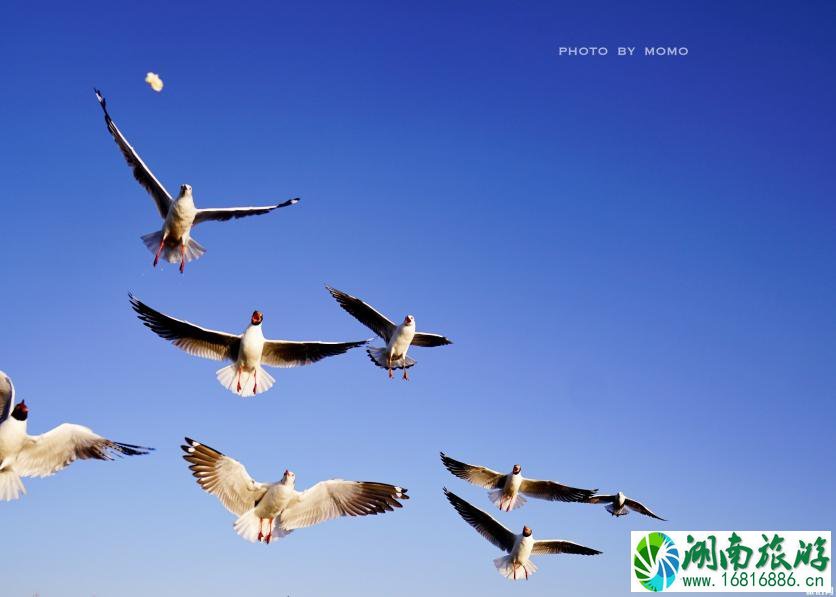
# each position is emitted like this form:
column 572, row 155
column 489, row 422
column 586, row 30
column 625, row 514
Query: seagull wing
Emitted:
column 228, row 213
column 484, row 523
column 365, row 314
column 640, row 508
column 142, row 174
column 335, row 498
column 7, row 396
column 555, row 492
column 44, row 455
column 558, row 546
column 424, row 339
column 186, row 336
column 284, row 353
column 223, row 477
column 478, row 475
column 601, row 499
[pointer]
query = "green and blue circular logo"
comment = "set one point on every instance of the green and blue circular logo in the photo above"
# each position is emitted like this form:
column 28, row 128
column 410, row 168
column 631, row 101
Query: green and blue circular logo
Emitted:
column 656, row 561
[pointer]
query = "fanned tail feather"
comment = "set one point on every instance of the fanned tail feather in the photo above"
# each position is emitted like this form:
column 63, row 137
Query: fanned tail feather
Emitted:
column 615, row 511
column 248, row 526
column 500, row 501
column 505, row 566
column 378, row 357
column 228, row 378
column 194, row 249
column 11, row 487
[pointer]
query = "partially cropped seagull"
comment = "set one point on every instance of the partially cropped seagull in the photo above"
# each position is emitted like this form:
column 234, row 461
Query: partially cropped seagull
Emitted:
column 398, row 338
column 267, row 508
column 24, row 455
column 519, row 548
column 174, row 242
column 247, row 351
column 619, row 504
column 508, row 487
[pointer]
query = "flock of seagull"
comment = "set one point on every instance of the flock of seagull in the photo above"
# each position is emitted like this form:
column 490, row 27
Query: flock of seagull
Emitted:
column 267, row 510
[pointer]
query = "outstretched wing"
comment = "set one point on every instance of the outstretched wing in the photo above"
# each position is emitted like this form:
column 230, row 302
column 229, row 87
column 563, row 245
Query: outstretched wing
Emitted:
column 44, row 455
column 284, row 353
column 334, row 498
column 7, row 396
column 555, row 492
column 484, row 523
column 640, row 508
column 142, row 174
column 601, row 499
column 424, row 339
column 191, row 338
column 227, row 213
column 223, row 477
column 478, row 475
column 558, row 546
column 365, row 314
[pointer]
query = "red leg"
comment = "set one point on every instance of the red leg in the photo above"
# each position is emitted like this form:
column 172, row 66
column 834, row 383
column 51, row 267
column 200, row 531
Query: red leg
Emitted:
column 514, row 564
column 255, row 382
column 526, row 572
column 269, row 530
column 239, row 381
column 260, row 534
column 160, row 250
column 405, row 374
column 182, row 258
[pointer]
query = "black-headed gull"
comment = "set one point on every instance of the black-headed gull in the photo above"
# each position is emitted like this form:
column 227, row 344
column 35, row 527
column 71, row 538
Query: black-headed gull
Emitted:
column 248, row 351
column 174, row 242
column 24, row 455
column 516, row 565
column 267, row 508
column 619, row 504
column 506, row 488
column 398, row 338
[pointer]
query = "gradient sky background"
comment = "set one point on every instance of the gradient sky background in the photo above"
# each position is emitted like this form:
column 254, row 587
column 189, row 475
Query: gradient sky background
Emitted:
column 634, row 257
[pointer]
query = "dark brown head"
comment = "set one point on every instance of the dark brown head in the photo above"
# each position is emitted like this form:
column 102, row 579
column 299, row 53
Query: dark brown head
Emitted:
column 526, row 532
column 517, row 469
column 257, row 318
column 21, row 411
column 409, row 320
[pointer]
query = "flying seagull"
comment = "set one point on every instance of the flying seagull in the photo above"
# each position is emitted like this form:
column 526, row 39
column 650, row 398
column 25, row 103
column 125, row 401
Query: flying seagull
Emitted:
column 620, row 505
column 247, row 351
column 518, row 547
column 174, row 242
column 398, row 338
column 267, row 508
column 24, row 455
column 506, row 488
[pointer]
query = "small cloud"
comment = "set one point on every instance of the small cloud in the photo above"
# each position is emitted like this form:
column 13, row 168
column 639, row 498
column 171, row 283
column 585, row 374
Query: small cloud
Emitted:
column 154, row 81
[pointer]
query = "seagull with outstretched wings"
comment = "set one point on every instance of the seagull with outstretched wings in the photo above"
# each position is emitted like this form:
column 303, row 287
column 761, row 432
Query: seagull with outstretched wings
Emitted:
column 174, row 242
column 247, row 351
column 24, row 455
column 398, row 338
column 619, row 504
column 506, row 488
column 265, row 509
column 517, row 564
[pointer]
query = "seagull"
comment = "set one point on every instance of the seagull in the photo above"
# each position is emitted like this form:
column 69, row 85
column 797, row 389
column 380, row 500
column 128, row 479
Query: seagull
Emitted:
column 24, row 455
column 174, row 242
column 518, row 547
column 247, row 351
column 398, row 338
column 267, row 508
column 620, row 505
column 508, row 487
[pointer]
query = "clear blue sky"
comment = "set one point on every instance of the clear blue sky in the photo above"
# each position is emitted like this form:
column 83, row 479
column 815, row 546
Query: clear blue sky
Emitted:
column 634, row 257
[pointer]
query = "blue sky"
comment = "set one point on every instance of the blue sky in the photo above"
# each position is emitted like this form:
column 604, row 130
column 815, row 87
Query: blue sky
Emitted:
column 633, row 256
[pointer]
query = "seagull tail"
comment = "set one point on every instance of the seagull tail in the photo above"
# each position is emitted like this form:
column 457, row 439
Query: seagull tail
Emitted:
column 194, row 250
column 616, row 512
column 500, row 501
column 10, row 485
column 505, row 566
column 251, row 383
column 249, row 525
column 378, row 357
